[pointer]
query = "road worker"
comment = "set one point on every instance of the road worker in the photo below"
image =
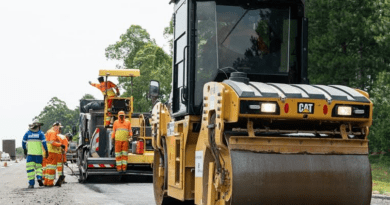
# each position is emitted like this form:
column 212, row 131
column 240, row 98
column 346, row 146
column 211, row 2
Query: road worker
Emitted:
column 120, row 137
column 33, row 140
column 45, row 160
column 54, row 147
column 65, row 142
column 107, row 89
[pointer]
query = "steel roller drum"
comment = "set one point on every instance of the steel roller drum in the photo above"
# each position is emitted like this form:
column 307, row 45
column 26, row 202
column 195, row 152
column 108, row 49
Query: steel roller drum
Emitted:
column 262, row 178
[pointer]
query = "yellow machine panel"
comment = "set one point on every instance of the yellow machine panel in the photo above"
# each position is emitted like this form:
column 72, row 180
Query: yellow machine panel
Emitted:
column 120, row 72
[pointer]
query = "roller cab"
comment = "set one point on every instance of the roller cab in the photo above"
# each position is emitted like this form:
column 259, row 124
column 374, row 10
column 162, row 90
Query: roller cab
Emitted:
column 244, row 125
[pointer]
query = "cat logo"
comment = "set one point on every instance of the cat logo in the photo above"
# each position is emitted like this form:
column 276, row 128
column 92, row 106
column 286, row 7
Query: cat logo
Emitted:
column 307, row 108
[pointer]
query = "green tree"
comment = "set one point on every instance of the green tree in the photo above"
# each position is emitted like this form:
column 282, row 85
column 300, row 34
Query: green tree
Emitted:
column 168, row 34
column 138, row 51
column 380, row 130
column 128, row 46
column 19, row 151
column 57, row 110
column 88, row 96
column 349, row 44
column 347, row 41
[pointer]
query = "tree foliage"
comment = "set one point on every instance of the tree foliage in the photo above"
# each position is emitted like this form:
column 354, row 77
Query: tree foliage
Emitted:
column 349, row 44
column 88, row 96
column 57, row 110
column 380, row 130
column 139, row 51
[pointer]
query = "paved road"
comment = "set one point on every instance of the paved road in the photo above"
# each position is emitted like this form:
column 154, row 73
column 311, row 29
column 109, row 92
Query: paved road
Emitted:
column 106, row 190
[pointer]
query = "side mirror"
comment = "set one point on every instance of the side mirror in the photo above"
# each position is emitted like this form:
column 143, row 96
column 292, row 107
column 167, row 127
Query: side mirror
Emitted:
column 154, row 89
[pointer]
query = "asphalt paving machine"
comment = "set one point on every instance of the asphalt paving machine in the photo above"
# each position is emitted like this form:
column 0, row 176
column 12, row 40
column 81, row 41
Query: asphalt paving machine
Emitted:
column 95, row 153
column 243, row 125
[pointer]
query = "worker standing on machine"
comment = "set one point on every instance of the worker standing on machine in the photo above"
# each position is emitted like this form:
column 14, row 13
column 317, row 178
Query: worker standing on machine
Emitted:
column 120, row 136
column 54, row 147
column 107, row 89
column 33, row 140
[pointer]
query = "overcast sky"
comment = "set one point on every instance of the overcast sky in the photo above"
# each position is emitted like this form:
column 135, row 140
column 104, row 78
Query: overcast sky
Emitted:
column 53, row 48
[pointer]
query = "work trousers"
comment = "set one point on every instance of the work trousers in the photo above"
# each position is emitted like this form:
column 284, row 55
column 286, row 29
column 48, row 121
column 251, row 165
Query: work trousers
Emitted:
column 121, row 151
column 108, row 117
column 59, row 164
column 44, row 163
column 64, row 158
column 51, row 167
column 34, row 167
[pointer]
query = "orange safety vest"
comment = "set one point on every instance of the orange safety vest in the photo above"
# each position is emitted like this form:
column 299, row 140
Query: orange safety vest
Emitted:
column 102, row 87
column 121, row 130
column 53, row 142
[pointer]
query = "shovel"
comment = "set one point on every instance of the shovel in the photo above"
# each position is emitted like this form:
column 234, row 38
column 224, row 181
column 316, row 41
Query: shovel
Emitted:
column 71, row 170
column 62, row 177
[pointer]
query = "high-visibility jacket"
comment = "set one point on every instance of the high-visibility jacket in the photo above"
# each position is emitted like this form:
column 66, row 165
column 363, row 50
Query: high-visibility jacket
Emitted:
column 64, row 141
column 121, row 130
column 110, row 88
column 53, row 141
column 33, row 142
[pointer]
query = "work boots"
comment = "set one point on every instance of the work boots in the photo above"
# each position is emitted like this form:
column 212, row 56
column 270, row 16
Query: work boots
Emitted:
column 30, row 187
column 40, row 182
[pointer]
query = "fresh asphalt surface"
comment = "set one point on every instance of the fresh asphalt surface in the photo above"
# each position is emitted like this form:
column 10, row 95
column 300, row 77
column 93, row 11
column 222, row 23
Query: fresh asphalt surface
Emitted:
column 137, row 190
column 134, row 190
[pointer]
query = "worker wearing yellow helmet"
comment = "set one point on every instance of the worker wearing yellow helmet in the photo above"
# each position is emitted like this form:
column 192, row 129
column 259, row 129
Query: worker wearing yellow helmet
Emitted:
column 120, row 136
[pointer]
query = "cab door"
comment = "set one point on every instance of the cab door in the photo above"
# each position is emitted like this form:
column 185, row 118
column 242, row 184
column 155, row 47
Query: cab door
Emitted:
column 180, row 62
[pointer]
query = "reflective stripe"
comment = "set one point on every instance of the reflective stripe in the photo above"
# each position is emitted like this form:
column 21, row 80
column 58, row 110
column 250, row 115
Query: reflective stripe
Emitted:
column 124, row 153
column 31, row 140
column 118, row 154
column 50, row 177
column 118, row 163
column 51, row 167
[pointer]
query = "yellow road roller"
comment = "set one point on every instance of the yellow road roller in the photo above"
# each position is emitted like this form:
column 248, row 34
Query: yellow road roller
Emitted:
column 243, row 125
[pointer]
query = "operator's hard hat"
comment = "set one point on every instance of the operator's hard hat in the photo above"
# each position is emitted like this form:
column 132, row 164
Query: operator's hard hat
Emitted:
column 57, row 124
column 121, row 113
column 35, row 123
column 100, row 79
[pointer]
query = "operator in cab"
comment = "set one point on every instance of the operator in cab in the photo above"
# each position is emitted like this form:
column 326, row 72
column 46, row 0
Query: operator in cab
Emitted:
column 120, row 137
column 107, row 89
column 32, row 144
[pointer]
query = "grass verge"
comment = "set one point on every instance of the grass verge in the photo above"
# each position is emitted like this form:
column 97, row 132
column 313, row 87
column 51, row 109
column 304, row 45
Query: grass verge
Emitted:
column 380, row 169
